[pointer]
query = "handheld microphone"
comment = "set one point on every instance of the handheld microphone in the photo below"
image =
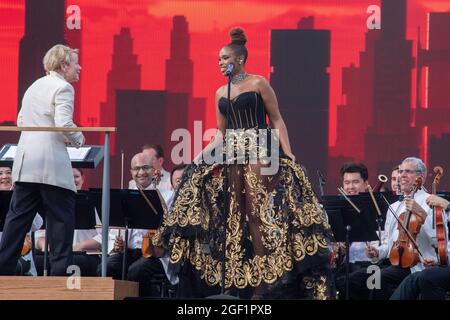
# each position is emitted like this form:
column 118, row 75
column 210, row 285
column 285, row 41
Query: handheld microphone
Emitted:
column 230, row 69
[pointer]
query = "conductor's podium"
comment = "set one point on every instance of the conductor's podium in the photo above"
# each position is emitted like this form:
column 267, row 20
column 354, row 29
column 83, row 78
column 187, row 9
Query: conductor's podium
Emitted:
column 66, row 288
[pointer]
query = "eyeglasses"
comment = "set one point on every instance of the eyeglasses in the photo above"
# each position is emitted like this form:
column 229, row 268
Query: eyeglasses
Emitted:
column 145, row 167
column 407, row 171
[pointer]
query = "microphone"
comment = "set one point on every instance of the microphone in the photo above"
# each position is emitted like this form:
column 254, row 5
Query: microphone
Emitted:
column 321, row 182
column 321, row 178
column 230, row 69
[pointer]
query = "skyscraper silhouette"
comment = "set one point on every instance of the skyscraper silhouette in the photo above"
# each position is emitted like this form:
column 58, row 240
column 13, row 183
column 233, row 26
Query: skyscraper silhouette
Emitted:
column 125, row 73
column 44, row 27
column 433, row 109
column 74, row 38
column 179, row 66
column 299, row 60
column 391, row 136
column 179, row 79
column 355, row 114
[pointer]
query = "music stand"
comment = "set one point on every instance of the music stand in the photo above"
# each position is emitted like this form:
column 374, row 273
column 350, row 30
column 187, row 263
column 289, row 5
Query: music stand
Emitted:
column 89, row 160
column 129, row 209
column 350, row 226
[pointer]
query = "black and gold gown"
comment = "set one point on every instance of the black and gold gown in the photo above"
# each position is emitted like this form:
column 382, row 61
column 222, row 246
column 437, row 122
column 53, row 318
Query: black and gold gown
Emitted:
column 277, row 232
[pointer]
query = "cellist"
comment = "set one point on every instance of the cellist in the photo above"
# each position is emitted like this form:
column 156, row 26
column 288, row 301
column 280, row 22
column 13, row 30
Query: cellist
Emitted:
column 434, row 281
column 410, row 169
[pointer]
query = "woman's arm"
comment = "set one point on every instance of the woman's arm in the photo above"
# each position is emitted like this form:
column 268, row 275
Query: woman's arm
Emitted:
column 276, row 120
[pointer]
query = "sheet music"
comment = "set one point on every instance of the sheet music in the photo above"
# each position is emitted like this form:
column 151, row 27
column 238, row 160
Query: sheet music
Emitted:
column 74, row 153
column 78, row 154
column 11, row 153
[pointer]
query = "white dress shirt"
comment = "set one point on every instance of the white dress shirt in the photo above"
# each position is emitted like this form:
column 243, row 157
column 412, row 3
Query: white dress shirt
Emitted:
column 79, row 235
column 426, row 239
column 358, row 252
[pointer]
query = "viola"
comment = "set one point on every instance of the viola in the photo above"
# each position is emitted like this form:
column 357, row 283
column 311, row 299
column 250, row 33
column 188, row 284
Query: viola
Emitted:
column 439, row 221
column 27, row 245
column 148, row 249
column 404, row 252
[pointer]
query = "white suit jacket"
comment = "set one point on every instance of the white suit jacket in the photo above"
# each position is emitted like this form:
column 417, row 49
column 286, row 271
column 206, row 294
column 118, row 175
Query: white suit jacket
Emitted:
column 42, row 157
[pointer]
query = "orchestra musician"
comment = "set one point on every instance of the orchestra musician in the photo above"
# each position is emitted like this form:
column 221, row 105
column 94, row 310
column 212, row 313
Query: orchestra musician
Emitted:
column 434, row 281
column 156, row 261
column 409, row 171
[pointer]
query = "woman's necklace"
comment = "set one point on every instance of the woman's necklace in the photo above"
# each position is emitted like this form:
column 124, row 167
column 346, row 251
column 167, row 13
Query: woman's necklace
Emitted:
column 239, row 77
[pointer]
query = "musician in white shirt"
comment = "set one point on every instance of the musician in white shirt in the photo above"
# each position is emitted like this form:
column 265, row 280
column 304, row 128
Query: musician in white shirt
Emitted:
column 144, row 269
column 354, row 181
column 156, row 155
column 410, row 169
column 433, row 282
column 142, row 173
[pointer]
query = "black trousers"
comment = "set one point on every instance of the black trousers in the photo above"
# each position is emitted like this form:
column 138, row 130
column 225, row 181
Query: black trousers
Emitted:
column 340, row 279
column 87, row 263
column 142, row 271
column 114, row 263
column 58, row 205
column 390, row 278
column 429, row 284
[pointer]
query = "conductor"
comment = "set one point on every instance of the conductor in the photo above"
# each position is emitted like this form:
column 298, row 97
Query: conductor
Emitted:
column 42, row 172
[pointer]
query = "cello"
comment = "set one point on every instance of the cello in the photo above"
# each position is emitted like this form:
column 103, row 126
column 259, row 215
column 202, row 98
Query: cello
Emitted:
column 405, row 251
column 438, row 221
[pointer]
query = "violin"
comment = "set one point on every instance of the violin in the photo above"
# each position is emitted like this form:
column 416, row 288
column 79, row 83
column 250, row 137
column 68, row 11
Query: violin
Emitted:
column 148, row 250
column 27, row 245
column 156, row 177
column 438, row 221
column 405, row 252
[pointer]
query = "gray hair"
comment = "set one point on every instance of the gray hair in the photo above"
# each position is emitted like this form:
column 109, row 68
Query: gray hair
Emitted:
column 419, row 165
column 56, row 56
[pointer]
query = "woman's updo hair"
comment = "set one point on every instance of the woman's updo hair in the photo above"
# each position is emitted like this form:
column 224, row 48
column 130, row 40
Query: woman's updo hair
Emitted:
column 238, row 41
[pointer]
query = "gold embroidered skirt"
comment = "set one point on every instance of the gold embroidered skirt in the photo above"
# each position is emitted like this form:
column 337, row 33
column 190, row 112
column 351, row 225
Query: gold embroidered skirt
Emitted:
column 274, row 226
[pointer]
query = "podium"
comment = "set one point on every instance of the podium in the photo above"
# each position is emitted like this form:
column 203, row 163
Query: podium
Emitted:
column 106, row 168
column 66, row 288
